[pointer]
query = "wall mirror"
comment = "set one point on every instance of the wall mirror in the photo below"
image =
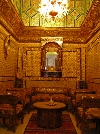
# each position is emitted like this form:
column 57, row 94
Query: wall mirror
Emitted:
column 51, row 59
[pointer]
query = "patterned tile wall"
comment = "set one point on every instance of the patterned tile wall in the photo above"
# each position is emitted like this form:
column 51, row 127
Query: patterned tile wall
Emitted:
column 32, row 61
column 93, row 60
column 8, row 66
column 28, row 10
column 30, row 56
column 71, row 62
column 69, row 83
column 83, row 64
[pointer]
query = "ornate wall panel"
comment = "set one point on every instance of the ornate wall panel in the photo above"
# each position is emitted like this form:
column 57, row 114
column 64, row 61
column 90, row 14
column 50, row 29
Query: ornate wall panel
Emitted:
column 93, row 60
column 31, row 60
column 58, row 40
column 83, row 63
column 88, row 29
column 68, row 83
column 20, row 60
column 8, row 66
column 71, row 63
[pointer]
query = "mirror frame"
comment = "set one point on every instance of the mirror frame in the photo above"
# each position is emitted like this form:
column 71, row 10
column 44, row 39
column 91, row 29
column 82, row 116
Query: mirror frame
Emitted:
column 51, row 47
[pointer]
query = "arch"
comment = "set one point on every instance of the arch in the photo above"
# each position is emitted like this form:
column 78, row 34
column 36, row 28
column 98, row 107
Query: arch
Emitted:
column 55, row 48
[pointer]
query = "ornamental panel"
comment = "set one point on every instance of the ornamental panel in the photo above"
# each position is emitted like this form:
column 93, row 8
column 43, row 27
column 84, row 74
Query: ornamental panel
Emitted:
column 71, row 63
column 33, row 59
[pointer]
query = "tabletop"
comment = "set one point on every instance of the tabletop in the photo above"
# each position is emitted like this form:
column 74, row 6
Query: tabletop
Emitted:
column 45, row 105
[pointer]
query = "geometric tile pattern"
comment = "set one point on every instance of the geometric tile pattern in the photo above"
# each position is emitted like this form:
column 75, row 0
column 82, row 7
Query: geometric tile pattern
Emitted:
column 32, row 59
column 83, row 64
column 93, row 60
column 28, row 10
column 70, row 83
column 71, row 63
column 8, row 65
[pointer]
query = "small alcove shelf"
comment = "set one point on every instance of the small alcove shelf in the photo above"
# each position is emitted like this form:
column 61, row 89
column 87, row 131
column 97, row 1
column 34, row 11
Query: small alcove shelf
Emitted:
column 56, row 74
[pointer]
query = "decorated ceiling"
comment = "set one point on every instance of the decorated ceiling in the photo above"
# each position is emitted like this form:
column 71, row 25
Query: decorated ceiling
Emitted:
column 11, row 20
column 28, row 11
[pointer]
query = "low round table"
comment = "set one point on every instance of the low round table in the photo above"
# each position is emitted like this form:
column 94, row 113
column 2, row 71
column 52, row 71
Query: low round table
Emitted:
column 49, row 116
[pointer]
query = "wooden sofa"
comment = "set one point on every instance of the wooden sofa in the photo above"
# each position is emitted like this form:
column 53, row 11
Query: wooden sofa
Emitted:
column 46, row 93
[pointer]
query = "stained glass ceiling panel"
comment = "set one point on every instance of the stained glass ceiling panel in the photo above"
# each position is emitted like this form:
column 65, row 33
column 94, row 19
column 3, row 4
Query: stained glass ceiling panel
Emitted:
column 28, row 11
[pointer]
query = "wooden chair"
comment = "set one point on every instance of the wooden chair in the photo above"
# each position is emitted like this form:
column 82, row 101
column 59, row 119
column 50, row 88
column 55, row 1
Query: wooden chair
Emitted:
column 22, row 93
column 11, row 110
column 86, row 113
column 76, row 101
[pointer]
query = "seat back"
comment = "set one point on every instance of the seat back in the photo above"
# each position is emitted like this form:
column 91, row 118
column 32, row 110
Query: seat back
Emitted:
column 91, row 102
column 90, row 105
column 9, row 109
column 8, row 99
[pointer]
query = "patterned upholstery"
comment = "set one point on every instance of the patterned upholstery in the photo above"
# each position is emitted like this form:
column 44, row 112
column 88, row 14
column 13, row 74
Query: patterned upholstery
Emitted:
column 77, row 97
column 23, row 95
column 90, row 104
column 10, row 109
column 41, row 97
column 46, row 93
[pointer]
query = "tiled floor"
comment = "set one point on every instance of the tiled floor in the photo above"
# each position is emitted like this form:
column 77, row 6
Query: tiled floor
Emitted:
column 21, row 127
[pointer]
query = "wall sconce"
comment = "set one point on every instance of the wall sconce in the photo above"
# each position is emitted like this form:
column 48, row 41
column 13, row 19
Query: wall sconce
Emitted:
column 6, row 45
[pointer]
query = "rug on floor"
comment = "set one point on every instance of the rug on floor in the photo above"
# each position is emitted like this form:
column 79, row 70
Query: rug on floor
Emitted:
column 66, row 128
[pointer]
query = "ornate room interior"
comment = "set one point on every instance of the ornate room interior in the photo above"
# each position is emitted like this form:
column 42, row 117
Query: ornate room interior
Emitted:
column 38, row 51
column 25, row 53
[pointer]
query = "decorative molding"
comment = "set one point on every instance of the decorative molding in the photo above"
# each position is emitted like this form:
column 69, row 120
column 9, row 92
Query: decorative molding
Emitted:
column 95, row 80
column 93, row 43
column 58, row 40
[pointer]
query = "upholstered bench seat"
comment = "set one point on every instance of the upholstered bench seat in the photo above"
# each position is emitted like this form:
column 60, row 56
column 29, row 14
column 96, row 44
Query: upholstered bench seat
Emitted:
column 46, row 93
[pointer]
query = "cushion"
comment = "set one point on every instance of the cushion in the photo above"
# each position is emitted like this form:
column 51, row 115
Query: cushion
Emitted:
column 89, row 112
column 8, row 109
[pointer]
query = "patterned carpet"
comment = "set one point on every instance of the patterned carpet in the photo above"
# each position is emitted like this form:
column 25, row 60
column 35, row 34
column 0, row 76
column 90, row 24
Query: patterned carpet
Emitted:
column 66, row 128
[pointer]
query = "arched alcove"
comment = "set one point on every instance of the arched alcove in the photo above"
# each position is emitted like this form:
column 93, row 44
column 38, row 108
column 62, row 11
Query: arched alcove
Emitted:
column 51, row 59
